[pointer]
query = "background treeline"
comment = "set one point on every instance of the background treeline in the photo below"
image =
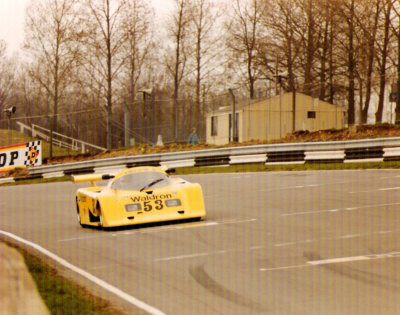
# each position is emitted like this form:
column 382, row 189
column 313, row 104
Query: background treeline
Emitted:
column 86, row 62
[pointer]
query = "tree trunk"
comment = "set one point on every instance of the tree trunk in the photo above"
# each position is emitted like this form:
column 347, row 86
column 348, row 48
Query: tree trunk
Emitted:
column 382, row 70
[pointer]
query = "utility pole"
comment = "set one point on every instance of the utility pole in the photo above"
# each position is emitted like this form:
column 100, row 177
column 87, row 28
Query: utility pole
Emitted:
column 280, row 106
column 280, row 77
column 294, row 107
column 233, row 120
column 126, row 125
column 145, row 93
column 9, row 112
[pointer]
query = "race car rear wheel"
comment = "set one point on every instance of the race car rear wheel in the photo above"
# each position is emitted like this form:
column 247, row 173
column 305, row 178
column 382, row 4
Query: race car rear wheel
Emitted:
column 100, row 216
column 101, row 220
column 78, row 214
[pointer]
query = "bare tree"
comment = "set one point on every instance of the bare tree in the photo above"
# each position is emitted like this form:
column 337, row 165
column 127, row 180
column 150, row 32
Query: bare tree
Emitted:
column 177, row 30
column 383, row 57
column 284, row 56
column 102, row 34
column 47, row 40
column 6, row 75
column 347, row 50
column 368, row 23
column 396, row 30
column 139, row 31
column 204, row 20
column 244, row 34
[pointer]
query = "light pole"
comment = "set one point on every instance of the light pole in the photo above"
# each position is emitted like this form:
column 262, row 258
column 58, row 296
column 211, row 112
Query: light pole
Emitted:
column 9, row 112
column 280, row 77
column 145, row 93
column 233, row 120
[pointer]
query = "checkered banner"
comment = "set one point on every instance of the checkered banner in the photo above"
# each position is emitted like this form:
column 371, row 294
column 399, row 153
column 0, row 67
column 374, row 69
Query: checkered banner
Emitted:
column 21, row 155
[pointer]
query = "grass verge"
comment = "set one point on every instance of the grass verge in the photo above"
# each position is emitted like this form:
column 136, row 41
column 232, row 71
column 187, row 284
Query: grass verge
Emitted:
column 61, row 295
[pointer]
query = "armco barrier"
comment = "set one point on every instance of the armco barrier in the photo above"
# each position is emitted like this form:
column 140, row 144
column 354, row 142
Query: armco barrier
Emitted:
column 287, row 153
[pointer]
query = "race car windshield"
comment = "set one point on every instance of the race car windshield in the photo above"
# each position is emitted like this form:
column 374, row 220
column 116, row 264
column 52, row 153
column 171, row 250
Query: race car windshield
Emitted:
column 141, row 181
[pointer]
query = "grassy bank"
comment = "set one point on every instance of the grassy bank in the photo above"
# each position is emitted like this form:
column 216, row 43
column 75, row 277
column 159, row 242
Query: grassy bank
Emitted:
column 61, row 295
column 18, row 137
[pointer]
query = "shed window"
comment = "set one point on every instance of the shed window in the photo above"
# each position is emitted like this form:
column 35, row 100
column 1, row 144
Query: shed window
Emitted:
column 214, row 125
column 311, row 114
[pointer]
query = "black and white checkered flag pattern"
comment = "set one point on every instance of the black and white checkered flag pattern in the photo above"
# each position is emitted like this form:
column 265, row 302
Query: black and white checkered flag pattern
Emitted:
column 32, row 153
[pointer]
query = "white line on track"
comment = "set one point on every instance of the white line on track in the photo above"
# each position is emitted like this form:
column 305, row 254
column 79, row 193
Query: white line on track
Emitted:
column 354, row 258
column 226, row 251
column 340, row 209
column 339, row 260
column 290, row 187
column 160, row 229
column 389, row 188
column 347, row 236
column 375, row 190
column 128, row 298
column 190, row 256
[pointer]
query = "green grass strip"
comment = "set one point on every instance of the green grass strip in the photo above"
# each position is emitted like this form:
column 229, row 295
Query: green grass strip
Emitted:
column 61, row 295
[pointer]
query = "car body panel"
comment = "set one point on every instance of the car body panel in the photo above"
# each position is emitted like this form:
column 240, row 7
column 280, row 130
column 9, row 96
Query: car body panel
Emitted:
column 108, row 207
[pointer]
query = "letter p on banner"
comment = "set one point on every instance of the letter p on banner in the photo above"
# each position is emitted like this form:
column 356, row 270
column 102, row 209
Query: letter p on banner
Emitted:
column 21, row 155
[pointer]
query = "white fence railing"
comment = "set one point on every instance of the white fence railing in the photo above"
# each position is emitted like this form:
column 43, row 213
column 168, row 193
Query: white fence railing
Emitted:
column 59, row 139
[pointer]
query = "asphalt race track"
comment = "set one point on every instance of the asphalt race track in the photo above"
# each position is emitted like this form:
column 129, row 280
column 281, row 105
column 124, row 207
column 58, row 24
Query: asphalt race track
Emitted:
column 321, row 242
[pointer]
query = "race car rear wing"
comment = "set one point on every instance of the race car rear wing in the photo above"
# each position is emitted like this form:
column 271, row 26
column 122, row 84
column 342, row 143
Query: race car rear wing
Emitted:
column 91, row 178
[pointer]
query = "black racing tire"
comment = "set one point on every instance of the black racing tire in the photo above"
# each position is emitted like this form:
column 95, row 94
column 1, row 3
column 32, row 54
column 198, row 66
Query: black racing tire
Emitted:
column 101, row 220
column 100, row 216
column 78, row 214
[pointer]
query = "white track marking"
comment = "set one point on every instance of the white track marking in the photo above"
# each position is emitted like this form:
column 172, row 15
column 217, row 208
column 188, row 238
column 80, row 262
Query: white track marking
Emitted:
column 234, row 221
column 307, row 186
column 159, row 229
column 342, row 209
column 307, row 241
column 354, row 258
column 290, row 187
column 340, row 260
column 389, row 188
column 348, row 236
column 128, row 298
column 375, row 190
column 195, row 255
column 190, row 256
column 196, row 225
column 285, row 268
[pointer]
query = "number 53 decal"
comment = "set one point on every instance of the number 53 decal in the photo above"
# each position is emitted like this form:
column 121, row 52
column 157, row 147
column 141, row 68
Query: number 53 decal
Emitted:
column 148, row 206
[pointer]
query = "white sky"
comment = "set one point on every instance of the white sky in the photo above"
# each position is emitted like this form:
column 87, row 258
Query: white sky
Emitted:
column 12, row 20
column 12, row 23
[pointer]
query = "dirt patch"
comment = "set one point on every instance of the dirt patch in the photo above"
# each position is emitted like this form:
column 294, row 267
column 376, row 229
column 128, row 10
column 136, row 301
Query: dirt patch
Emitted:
column 17, row 172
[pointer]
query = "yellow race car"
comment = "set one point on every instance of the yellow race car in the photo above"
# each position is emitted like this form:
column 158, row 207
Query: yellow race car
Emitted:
column 135, row 196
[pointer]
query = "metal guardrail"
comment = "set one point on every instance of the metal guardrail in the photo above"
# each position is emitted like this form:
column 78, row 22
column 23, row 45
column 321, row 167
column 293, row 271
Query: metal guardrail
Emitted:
column 278, row 152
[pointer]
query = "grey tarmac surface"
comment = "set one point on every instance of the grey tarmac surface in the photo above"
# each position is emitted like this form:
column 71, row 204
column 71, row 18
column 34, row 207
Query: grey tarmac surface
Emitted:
column 319, row 242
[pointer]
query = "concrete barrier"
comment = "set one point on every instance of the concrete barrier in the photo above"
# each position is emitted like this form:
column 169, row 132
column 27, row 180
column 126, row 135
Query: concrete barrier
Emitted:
column 109, row 169
column 244, row 159
column 18, row 292
column 178, row 163
column 320, row 156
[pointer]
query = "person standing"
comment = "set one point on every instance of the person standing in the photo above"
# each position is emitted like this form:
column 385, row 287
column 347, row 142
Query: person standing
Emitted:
column 193, row 138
